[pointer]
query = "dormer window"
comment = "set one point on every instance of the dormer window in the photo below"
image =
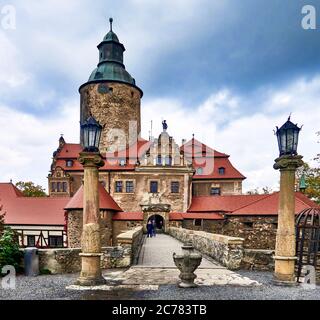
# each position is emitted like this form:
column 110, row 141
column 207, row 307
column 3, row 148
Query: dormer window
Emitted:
column 199, row 171
column 69, row 163
column 222, row 171
column 122, row 162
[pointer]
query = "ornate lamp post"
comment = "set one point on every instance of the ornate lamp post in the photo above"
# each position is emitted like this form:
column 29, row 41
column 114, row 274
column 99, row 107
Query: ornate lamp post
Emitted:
column 91, row 160
column 287, row 163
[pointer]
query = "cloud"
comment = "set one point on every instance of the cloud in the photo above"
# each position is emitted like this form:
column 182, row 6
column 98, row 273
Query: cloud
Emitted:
column 227, row 71
column 249, row 139
column 27, row 142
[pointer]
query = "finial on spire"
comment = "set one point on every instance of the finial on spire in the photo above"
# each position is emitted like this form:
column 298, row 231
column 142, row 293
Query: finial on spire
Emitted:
column 111, row 21
column 290, row 116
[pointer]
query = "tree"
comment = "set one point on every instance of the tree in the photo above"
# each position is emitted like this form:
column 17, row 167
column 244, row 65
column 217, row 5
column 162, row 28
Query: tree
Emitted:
column 29, row 189
column 10, row 253
column 312, row 179
column 2, row 214
column 265, row 190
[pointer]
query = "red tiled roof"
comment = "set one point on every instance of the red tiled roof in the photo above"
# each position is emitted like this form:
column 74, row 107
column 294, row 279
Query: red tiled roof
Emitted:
column 9, row 190
column 197, row 148
column 195, row 215
column 70, row 151
column 21, row 210
column 246, row 204
column 269, row 205
column 210, row 161
column 106, row 201
column 222, row 203
column 128, row 216
column 210, row 167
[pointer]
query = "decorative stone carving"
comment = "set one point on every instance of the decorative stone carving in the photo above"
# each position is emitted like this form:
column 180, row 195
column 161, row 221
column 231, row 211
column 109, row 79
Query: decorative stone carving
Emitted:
column 187, row 263
column 91, row 238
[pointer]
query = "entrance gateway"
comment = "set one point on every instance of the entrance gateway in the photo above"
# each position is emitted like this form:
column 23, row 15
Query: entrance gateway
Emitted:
column 157, row 212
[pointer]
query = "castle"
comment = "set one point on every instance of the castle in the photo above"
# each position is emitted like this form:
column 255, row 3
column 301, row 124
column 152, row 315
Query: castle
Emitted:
column 139, row 174
column 191, row 185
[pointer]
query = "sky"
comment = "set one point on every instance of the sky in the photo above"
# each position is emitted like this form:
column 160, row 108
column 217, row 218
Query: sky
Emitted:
column 228, row 71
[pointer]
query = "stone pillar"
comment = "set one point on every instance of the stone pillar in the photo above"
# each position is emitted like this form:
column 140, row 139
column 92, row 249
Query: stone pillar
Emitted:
column 91, row 239
column 285, row 255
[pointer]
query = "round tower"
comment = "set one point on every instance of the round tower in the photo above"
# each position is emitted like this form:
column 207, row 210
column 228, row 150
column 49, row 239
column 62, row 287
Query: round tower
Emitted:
column 112, row 97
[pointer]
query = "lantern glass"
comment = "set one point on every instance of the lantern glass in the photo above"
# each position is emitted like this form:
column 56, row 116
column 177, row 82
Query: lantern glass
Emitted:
column 288, row 136
column 91, row 132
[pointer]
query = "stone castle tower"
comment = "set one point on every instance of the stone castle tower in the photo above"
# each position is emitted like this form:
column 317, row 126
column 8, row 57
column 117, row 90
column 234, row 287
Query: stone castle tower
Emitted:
column 112, row 97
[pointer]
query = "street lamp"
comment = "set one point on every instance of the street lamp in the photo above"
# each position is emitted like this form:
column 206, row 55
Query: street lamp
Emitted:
column 287, row 162
column 288, row 137
column 91, row 160
column 91, row 132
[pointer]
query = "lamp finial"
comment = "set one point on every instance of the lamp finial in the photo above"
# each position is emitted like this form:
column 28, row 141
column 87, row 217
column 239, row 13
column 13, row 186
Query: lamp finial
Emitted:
column 111, row 21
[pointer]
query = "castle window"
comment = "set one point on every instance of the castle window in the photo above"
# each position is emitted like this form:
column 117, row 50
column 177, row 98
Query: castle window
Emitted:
column 215, row 191
column 154, row 187
column 168, row 160
column 197, row 222
column 122, row 162
column 55, row 241
column 175, row 186
column 58, row 187
column 199, row 171
column 31, row 241
column 118, row 186
column 69, row 163
column 222, row 171
column 53, row 186
column 129, row 187
column 248, row 225
column 64, row 187
column 159, row 161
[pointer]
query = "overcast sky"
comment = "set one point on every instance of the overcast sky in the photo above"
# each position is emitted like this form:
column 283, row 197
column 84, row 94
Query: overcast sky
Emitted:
column 228, row 71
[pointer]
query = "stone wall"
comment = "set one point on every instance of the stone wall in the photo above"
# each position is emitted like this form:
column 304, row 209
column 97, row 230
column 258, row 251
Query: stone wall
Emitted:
column 212, row 226
column 260, row 260
column 59, row 261
column 131, row 240
column 258, row 232
column 74, row 228
column 226, row 250
column 113, row 110
column 122, row 226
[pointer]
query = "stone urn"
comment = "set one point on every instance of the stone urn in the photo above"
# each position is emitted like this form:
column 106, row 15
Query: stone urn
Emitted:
column 187, row 263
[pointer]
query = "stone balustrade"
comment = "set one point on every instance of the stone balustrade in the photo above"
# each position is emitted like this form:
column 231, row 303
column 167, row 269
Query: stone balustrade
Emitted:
column 58, row 261
column 224, row 249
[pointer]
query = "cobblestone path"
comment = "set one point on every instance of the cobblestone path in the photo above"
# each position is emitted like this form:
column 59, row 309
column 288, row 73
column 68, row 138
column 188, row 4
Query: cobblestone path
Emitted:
column 157, row 252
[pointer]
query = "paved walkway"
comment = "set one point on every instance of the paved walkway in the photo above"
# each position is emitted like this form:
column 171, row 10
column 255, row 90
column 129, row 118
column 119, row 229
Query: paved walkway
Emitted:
column 157, row 252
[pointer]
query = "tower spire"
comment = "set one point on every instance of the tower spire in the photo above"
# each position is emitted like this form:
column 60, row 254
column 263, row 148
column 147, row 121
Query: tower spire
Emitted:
column 111, row 22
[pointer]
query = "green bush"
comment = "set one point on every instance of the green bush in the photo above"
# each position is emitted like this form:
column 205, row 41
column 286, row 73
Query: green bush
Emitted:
column 45, row 271
column 9, row 250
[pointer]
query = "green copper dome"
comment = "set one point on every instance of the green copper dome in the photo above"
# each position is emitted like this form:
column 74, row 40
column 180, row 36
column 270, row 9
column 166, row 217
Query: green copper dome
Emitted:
column 111, row 36
column 110, row 66
column 112, row 72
